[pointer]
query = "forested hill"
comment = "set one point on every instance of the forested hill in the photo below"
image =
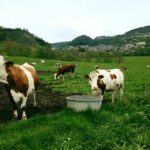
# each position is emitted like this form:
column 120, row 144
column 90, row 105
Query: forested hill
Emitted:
column 134, row 40
column 21, row 42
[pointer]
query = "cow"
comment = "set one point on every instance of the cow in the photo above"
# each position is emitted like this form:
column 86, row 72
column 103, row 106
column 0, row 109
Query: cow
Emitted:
column 42, row 61
column 58, row 65
column 20, row 81
column 33, row 64
column 102, row 80
column 68, row 68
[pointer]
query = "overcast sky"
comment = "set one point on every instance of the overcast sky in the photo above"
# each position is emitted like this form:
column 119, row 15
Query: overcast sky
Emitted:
column 63, row 20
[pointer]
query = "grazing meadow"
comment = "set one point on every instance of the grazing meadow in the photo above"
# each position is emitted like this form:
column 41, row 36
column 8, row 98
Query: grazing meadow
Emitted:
column 124, row 125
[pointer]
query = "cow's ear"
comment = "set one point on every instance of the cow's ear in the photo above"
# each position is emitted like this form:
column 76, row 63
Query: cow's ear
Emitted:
column 124, row 68
column 9, row 63
column 97, row 67
column 100, row 76
column 86, row 77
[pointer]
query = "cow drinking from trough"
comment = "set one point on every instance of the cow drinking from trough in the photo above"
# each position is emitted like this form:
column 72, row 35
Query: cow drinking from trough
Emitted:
column 20, row 81
column 106, row 80
column 68, row 68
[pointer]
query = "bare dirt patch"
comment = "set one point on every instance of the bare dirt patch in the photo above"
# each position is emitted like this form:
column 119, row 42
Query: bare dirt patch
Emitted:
column 47, row 102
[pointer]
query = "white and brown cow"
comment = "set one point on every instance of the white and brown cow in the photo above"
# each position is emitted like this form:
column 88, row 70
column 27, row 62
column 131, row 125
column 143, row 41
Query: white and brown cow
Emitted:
column 106, row 80
column 68, row 68
column 20, row 81
column 58, row 65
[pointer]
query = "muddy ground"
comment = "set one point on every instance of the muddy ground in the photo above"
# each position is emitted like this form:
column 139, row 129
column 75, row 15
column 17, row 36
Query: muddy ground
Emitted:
column 47, row 102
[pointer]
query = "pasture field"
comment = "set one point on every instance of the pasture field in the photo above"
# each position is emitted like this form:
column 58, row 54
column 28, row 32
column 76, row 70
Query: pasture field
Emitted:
column 124, row 125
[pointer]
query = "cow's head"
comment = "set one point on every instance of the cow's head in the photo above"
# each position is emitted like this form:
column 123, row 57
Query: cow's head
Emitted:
column 123, row 69
column 93, row 78
column 3, row 69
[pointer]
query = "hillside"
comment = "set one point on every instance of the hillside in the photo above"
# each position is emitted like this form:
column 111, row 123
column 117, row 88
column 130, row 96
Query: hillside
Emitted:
column 133, row 41
column 60, row 44
column 21, row 42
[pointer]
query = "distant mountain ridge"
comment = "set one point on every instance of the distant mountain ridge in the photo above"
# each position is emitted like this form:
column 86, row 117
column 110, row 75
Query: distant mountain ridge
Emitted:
column 131, row 40
column 20, row 42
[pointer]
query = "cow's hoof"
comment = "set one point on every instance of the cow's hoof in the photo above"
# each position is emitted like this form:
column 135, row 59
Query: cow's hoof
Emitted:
column 24, row 117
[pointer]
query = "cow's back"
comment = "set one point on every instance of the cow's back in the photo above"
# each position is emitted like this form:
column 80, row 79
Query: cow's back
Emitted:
column 119, row 75
column 17, row 79
column 113, row 78
column 34, row 75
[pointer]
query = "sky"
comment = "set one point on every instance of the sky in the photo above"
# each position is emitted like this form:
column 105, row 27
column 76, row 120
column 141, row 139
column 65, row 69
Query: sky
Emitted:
column 64, row 20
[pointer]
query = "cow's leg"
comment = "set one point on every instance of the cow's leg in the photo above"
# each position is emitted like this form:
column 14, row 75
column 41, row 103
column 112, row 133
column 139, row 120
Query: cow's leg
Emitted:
column 121, row 93
column 72, row 74
column 113, row 96
column 23, row 108
column 15, row 113
column 101, row 95
column 72, row 71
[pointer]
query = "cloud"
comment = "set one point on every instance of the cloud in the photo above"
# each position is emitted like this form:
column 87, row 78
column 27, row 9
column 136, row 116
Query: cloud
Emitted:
column 61, row 20
column 57, row 33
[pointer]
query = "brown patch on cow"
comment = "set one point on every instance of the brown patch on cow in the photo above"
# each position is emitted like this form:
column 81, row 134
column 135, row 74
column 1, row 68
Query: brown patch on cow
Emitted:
column 113, row 76
column 34, row 75
column 16, row 78
column 101, row 84
column 100, row 76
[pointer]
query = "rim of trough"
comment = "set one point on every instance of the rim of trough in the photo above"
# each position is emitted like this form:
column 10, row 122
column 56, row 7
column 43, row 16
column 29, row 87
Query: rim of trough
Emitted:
column 75, row 98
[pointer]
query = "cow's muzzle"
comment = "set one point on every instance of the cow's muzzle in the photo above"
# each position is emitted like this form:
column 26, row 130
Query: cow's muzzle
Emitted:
column 95, row 92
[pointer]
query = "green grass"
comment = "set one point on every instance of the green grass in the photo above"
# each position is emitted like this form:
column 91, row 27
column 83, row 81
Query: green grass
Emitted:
column 121, row 126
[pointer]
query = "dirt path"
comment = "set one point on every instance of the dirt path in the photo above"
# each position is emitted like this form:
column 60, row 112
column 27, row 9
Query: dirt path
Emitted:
column 47, row 102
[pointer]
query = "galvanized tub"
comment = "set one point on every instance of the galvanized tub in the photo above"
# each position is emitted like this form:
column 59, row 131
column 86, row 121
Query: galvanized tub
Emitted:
column 83, row 102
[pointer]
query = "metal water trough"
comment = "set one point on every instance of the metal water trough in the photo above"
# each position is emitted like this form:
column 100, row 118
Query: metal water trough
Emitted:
column 83, row 102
